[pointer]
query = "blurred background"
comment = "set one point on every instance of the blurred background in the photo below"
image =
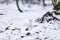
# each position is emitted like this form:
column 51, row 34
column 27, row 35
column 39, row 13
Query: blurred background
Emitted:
column 26, row 1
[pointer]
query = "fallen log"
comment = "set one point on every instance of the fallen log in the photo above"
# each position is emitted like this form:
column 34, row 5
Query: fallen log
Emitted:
column 48, row 17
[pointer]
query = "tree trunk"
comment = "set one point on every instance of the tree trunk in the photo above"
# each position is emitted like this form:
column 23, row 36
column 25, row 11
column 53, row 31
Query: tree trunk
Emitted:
column 18, row 6
column 44, row 2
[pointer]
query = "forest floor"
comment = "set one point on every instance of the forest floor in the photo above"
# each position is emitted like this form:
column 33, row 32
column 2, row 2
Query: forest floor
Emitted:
column 22, row 26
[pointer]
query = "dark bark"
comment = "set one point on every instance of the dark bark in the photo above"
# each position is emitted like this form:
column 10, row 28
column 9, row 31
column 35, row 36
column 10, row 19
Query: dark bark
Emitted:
column 44, row 3
column 18, row 6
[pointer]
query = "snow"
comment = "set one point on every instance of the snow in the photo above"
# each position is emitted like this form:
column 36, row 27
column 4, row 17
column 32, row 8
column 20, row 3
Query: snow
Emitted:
column 13, row 24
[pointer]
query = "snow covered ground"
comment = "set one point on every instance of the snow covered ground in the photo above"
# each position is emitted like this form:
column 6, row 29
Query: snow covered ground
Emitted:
column 22, row 26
